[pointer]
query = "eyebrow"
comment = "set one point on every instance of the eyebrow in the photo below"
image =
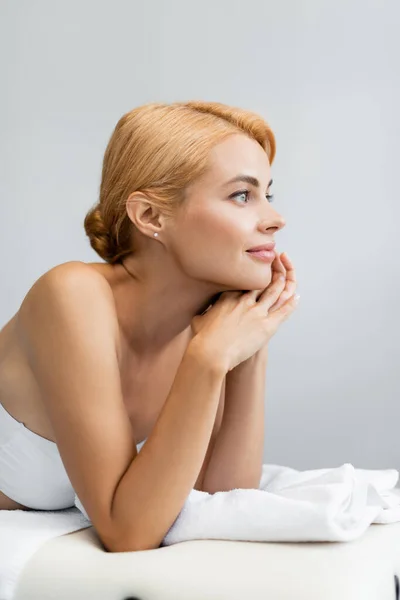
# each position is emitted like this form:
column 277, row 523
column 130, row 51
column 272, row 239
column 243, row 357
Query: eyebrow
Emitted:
column 249, row 179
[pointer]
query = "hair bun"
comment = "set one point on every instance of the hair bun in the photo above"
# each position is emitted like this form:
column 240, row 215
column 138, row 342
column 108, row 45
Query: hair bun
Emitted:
column 98, row 234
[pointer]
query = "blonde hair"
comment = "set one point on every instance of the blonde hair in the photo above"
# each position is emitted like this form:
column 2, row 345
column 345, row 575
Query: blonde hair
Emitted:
column 159, row 149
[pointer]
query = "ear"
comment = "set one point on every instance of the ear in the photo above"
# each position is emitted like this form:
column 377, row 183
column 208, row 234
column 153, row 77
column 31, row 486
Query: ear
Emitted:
column 142, row 212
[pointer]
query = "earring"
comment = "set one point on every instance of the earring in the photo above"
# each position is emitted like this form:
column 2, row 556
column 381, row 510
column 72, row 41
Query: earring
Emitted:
column 155, row 234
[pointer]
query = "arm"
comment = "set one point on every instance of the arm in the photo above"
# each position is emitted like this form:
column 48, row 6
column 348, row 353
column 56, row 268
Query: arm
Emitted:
column 217, row 426
column 234, row 457
column 237, row 457
column 132, row 499
column 155, row 486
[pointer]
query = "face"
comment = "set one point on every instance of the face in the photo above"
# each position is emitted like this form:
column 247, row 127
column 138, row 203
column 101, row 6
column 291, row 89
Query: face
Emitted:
column 220, row 221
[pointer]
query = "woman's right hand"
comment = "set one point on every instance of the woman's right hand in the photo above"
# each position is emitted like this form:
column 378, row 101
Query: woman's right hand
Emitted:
column 238, row 324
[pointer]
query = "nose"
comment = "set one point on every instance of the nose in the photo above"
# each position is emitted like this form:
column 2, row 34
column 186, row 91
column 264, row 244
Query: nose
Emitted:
column 280, row 219
column 275, row 220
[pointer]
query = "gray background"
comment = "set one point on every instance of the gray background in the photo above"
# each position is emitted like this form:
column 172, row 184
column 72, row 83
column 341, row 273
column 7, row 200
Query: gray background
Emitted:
column 326, row 76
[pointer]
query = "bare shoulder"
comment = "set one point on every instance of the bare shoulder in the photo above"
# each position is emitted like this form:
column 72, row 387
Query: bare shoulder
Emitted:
column 71, row 281
column 70, row 273
column 67, row 327
column 74, row 289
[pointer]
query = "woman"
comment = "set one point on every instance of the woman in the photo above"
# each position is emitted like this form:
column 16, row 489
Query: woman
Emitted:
column 102, row 356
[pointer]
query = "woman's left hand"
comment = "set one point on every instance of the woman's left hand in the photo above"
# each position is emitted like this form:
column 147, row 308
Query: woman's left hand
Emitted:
column 282, row 265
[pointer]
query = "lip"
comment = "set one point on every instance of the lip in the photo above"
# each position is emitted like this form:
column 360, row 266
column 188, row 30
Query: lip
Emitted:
column 264, row 255
column 269, row 246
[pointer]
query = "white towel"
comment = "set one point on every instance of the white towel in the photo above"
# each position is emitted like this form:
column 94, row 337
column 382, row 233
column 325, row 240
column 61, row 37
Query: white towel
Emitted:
column 330, row 505
column 21, row 535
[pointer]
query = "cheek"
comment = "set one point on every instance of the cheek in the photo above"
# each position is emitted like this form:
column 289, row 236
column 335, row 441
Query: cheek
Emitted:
column 209, row 232
column 211, row 245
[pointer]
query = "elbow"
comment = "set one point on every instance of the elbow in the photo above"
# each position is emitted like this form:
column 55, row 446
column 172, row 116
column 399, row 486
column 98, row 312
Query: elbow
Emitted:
column 138, row 536
column 129, row 544
column 126, row 546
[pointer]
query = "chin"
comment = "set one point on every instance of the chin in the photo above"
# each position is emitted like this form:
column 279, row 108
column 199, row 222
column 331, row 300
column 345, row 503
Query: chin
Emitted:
column 256, row 283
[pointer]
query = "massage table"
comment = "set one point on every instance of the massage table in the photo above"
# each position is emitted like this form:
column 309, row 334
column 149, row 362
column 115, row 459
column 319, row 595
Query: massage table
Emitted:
column 76, row 566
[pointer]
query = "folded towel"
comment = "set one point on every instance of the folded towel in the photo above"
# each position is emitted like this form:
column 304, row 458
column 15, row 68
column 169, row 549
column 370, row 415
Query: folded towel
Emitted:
column 324, row 505
column 329, row 505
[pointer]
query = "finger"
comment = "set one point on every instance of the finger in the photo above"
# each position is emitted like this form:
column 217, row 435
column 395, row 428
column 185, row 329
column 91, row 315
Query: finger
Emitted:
column 283, row 298
column 291, row 281
column 278, row 266
column 281, row 265
column 271, row 293
column 228, row 296
column 282, row 313
column 289, row 268
column 253, row 295
column 288, row 307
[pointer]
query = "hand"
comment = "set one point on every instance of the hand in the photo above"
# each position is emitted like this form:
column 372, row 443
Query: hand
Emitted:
column 239, row 324
column 278, row 268
column 282, row 265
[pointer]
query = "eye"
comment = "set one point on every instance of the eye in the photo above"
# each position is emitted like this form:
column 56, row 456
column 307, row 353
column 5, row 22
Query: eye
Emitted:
column 246, row 192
